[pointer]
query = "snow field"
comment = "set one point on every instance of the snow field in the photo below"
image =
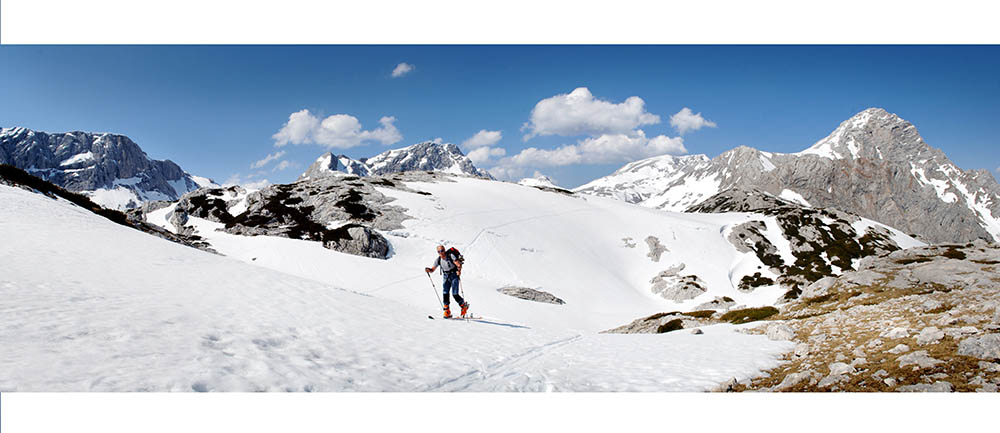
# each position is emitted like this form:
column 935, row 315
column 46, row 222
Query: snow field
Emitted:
column 88, row 305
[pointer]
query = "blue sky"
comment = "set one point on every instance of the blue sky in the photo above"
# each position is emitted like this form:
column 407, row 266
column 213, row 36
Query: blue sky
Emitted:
column 215, row 110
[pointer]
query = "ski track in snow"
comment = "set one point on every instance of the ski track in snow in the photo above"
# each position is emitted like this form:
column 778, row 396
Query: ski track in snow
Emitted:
column 498, row 369
column 88, row 305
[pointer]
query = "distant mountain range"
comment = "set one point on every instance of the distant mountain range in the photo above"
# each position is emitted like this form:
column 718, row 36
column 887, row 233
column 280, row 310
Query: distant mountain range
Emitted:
column 874, row 164
column 425, row 156
column 109, row 168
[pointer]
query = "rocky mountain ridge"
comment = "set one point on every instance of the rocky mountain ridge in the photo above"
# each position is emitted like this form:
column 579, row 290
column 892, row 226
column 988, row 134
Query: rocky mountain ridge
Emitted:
column 424, row 156
column 111, row 169
column 874, row 164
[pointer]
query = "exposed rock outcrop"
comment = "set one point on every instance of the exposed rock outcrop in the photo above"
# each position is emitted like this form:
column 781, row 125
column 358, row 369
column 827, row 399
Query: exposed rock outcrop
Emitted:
column 915, row 320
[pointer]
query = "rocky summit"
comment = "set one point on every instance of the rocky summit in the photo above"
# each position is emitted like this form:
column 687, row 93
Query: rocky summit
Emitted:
column 425, row 156
column 874, row 164
column 109, row 168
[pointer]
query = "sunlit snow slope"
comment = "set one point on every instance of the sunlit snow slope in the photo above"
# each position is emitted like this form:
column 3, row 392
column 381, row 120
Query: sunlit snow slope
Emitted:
column 573, row 247
column 86, row 304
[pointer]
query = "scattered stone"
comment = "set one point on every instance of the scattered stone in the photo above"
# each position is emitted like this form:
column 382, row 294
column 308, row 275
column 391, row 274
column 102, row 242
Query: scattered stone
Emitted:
column 988, row 387
column 992, row 367
column 780, row 331
column 938, row 376
column 919, row 358
column 947, row 320
column 930, row 334
column 940, row 386
column 900, row 348
column 969, row 330
column 838, row 368
column 830, row 380
column 859, row 361
column 840, row 357
column 819, row 288
column 930, row 304
column 896, row 333
column 890, row 381
column 984, row 347
column 875, row 343
column 879, row 374
column 859, row 352
column 697, row 331
column 802, row 349
column 792, row 380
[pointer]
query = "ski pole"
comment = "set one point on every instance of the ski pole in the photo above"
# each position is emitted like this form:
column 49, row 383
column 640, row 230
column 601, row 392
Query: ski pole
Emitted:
column 435, row 290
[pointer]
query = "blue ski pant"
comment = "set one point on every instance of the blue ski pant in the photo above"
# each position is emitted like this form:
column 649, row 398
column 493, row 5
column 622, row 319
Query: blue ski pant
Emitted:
column 451, row 282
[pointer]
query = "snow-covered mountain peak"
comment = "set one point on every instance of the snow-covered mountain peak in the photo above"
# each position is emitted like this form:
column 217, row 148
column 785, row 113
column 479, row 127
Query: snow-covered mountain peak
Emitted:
column 871, row 134
column 539, row 180
column 110, row 168
column 427, row 156
column 330, row 164
column 424, row 156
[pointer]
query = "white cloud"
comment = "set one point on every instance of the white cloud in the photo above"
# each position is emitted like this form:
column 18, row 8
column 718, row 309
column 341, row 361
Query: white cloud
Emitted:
column 685, row 121
column 603, row 149
column 579, row 113
column 267, row 159
column 339, row 131
column 506, row 172
column 402, row 69
column 483, row 154
column 483, row 138
column 284, row 165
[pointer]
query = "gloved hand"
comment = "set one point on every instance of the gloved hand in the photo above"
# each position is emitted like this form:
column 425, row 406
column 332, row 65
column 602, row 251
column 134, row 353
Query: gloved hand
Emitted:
column 427, row 270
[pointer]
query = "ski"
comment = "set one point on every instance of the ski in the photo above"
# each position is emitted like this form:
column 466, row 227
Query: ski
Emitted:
column 467, row 317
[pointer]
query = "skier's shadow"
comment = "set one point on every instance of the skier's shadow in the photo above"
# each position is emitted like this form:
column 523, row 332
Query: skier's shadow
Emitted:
column 490, row 322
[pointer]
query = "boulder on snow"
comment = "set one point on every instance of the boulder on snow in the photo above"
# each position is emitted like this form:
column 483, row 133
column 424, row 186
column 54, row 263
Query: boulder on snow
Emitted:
column 676, row 288
column 358, row 240
column 531, row 295
column 656, row 249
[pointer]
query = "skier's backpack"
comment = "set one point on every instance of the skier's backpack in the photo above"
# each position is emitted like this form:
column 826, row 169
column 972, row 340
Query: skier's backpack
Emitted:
column 455, row 256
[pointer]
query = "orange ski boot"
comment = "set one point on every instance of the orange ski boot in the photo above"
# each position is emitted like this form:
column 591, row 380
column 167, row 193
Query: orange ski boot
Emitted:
column 465, row 308
column 447, row 312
